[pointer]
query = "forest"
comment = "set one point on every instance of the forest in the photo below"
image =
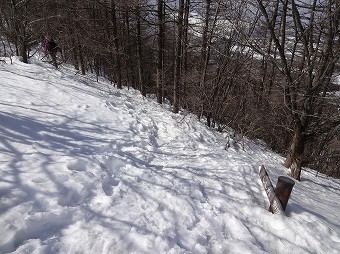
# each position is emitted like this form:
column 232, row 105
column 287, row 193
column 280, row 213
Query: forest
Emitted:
column 266, row 69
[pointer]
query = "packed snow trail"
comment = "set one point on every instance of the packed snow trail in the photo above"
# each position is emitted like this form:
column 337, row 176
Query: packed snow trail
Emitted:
column 87, row 168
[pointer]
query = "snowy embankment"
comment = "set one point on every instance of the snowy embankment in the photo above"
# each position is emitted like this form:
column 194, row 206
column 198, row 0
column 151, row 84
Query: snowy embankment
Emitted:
column 86, row 168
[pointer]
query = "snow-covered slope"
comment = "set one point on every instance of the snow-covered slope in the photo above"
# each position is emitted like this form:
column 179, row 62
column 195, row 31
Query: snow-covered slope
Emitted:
column 86, row 168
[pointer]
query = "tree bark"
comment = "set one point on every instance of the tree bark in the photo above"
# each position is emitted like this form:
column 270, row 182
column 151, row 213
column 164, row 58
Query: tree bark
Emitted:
column 74, row 52
column 81, row 58
column 161, row 42
column 128, row 52
column 118, row 65
column 139, row 53
column 295, row 154
column 184, row 68
column 204, row 49
column 24, row 51
column 178, row 57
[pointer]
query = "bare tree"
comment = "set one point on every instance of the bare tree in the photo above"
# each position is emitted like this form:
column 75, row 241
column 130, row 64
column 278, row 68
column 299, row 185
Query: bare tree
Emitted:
column 18, row 21
column 161, row 49
column 307, row 40
column 139, row 51
column 178, row 56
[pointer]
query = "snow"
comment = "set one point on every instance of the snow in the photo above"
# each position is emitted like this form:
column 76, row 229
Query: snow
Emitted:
column 87, row 168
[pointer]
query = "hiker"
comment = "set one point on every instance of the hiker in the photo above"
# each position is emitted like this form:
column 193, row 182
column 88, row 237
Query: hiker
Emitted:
column 51, row 47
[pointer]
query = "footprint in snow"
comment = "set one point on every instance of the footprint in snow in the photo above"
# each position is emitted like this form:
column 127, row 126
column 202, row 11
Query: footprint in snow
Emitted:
column 37, row 225
column 39, row 180
column 77, row 165
column 108, row 185
column 72, row 197
column 83, row 107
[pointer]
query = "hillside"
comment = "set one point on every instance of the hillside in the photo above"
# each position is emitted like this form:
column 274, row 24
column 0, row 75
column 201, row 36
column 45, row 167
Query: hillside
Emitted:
column 87, row 168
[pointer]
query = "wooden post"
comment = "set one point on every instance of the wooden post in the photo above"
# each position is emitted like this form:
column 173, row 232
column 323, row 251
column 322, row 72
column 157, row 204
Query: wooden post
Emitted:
column 275, row 204
column 284, row 187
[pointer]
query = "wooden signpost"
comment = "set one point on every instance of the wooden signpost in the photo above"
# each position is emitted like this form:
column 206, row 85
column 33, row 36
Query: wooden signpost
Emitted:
column 278, row 197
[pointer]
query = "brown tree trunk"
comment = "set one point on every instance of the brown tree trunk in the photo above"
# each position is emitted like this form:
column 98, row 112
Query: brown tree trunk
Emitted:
column 81, row 58
column 128, row 53
column 185, row 47
column 178, row 57
column 118, row 65
column 24, row 51
column 140, row 53
column 161, row 42
column 295, row 155
column 74, row 52
column 204, row 49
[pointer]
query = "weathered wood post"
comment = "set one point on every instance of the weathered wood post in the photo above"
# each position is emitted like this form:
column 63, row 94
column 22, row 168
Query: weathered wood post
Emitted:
column 283, row 188
column 278, row 197
column 275, row 204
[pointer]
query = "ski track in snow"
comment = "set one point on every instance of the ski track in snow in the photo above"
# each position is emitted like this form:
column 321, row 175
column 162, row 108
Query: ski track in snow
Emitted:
column 86, row 168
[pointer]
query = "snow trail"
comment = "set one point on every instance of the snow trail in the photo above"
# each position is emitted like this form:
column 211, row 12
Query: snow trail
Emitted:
column 87, row 168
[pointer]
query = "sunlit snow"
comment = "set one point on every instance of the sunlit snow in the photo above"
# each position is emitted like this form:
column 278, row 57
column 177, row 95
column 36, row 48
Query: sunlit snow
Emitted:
column 87, row 168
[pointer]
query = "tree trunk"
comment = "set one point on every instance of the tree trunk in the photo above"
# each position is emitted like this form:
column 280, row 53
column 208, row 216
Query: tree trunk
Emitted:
column 24, row 51
column 295, row 154
column 118, row 65
column 161, row 42
column 185, row 46
column 81, row 58
column 178, row 59
column 74, row 51
column 128, row 52
column 140, row 53
column 204, row 49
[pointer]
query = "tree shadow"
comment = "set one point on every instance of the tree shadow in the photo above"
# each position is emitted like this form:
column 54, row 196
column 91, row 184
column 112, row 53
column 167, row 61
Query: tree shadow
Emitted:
column 329, row 187
column 24, row 139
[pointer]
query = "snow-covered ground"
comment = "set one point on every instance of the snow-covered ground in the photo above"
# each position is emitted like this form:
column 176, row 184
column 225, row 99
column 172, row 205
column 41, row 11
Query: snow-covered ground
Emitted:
column 87, row 168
